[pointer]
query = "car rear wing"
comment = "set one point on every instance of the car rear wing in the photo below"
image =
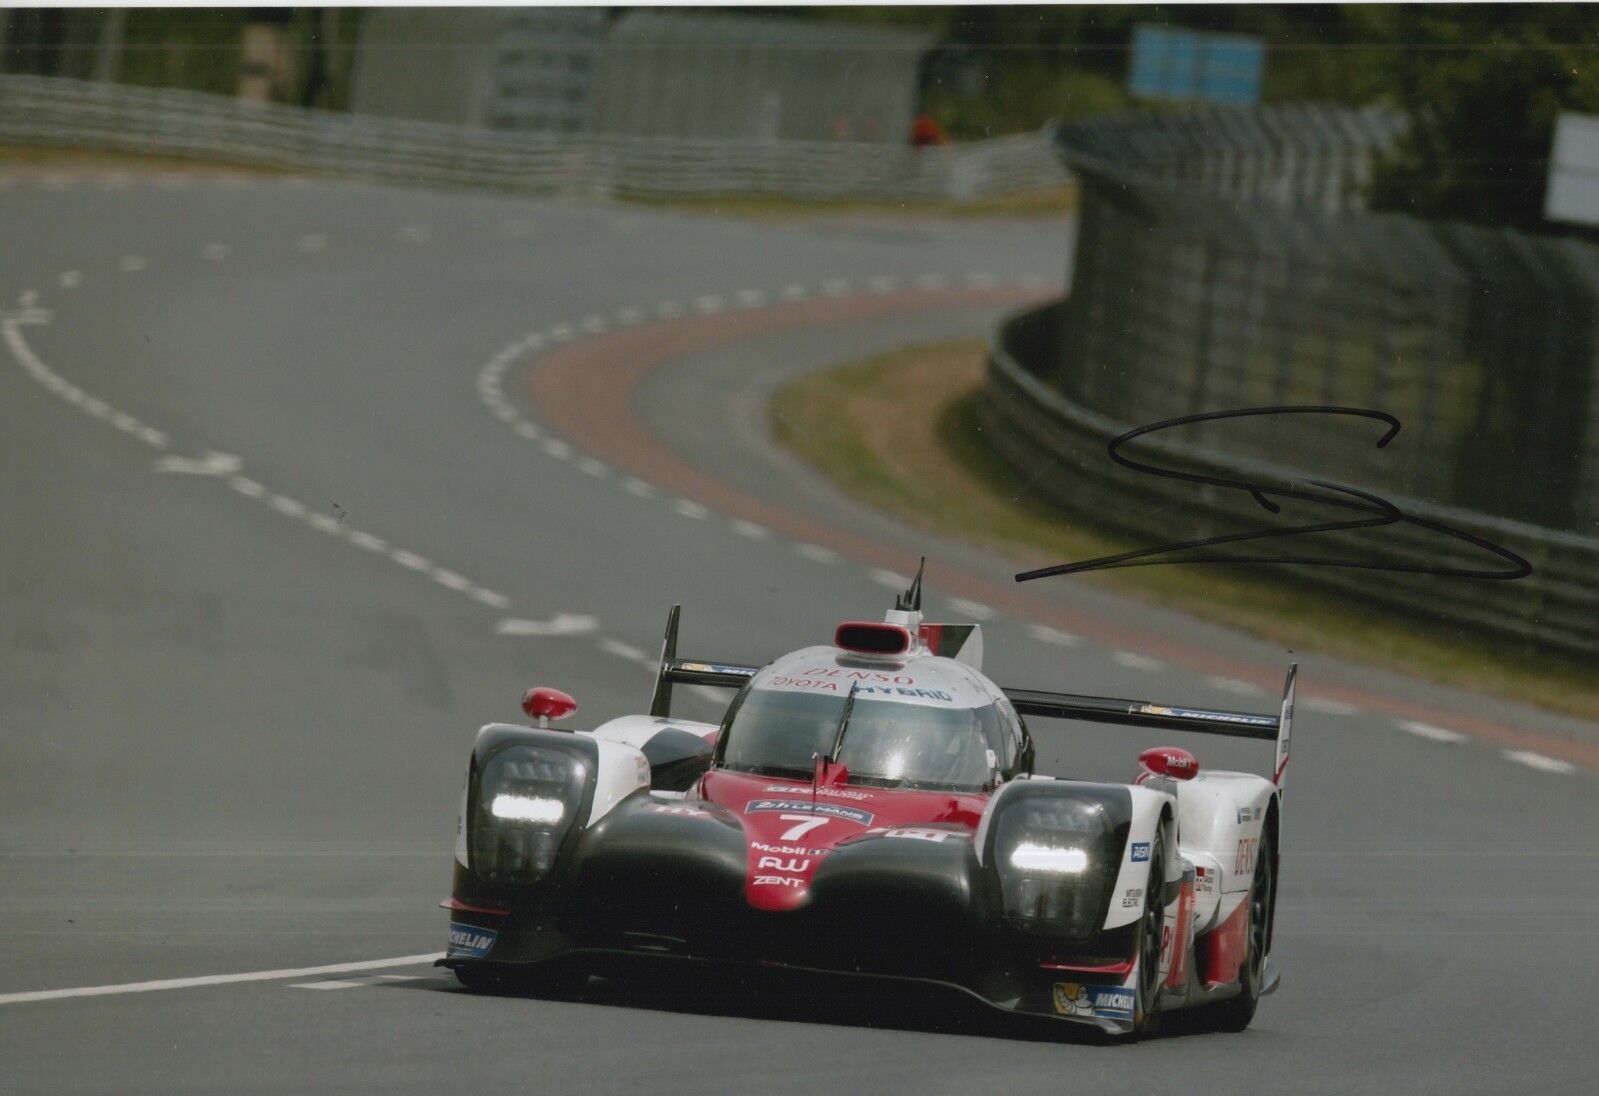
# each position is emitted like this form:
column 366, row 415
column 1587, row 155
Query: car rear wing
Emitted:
column 686, row 671
column 1141, row 713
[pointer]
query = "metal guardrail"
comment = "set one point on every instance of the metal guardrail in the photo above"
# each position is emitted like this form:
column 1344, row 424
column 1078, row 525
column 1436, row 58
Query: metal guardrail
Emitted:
column 38, row 110
column 1060, row 444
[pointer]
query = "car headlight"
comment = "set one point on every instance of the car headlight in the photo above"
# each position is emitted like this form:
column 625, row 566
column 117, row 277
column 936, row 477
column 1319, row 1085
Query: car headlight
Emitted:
column 1056, row 858
column 527, row 802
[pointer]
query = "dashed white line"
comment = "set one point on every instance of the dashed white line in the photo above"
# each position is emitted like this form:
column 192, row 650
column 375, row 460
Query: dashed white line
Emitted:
column 562, row 332
column 691, row 509
column 668, row 308
column 410, row 559
column 749, row 529
column 630, row 315
column 557, row 448
column 367, row 541
column 596, row 468
column 709, row 303
column 1329, row 707
column 450, row 580
column 624, row 650
column 1233, row 685
column 1539, row 761
column 283, row 504
column 70, row 279
column 246, row 486
column 528, row 431
column 1135, row 661
column 751, row 298
column 216, row 979
column 1045, row 634
column 635, row 486
column 595, row 325
column 1430, row 732
column 976, row 610
column 835, row 287
column 793, row 292
column 490, row 598
column 132, row 264
column 816, row 553
column 322, row 523
column 889, row 578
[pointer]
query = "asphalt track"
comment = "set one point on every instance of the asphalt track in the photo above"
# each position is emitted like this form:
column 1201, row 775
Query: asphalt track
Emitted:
column 299, row 490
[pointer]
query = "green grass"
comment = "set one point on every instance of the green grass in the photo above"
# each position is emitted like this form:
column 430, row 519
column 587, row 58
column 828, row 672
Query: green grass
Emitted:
column 923, row 458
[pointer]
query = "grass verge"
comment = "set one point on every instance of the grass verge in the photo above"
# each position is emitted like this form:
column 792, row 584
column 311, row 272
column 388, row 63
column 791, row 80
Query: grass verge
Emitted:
column 900, row 432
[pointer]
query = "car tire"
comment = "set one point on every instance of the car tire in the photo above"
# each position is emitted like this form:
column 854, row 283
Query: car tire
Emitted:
column 1235, row 1013
column 1146, row 1004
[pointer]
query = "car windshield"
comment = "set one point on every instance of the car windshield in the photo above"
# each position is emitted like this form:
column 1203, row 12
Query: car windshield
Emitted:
column 888, row 742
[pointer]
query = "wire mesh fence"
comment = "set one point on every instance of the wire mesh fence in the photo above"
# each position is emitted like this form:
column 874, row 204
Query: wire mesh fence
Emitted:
column 1223, row 261
column 39, row 110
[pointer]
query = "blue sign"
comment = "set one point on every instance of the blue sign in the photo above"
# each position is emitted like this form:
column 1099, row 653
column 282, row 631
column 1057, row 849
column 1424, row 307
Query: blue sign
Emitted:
column 1195, row 65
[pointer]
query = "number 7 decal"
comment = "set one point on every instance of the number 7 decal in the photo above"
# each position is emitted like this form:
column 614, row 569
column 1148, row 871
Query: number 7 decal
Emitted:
column 806, row 823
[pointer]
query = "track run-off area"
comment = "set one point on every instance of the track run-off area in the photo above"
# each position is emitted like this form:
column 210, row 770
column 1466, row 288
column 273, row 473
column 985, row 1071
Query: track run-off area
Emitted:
column 307, row 480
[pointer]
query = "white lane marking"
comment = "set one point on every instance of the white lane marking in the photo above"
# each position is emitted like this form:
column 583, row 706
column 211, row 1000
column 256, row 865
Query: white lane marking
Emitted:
column 793, row 292
column 355, row 983
column 528, row 431
column 557, row 448
column 283, row 504
column 1539, row 761
column 450, row 580
column 561, row 624
column 323, row 524
column 624, row 650
column 216, row 252
column 132, row 264
column 974, row 609
column 313, row 242
column 1233, row 685
column 630, row 315
column 11, row 326
column 691, row 509
column 751, row 298
column 635, row 486
column 490, row 598
column 1045, row 634
column 816, row 553
column 1329, row 707
column 595, row 325
column 749, row 529
column 889, row 578
column 70, row 279
column 882, row 283
column 216, row 979
column 416, row 234
column 410, row 559
column 211, row 464
column 1429, row 732
column 1134, row 661
column 562, row 332
column 711, row 302
column 668, row 308
column 596, row 468
column 367, row 541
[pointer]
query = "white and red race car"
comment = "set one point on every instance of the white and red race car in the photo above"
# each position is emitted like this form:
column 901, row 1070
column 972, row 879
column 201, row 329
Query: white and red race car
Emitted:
column 869, row 808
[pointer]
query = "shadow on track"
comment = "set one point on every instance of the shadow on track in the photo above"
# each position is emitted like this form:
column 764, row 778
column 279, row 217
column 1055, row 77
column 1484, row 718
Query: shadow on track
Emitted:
column 798, row 997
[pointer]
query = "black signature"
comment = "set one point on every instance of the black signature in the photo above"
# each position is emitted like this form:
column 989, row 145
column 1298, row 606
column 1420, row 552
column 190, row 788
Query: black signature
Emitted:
column 1381, row 512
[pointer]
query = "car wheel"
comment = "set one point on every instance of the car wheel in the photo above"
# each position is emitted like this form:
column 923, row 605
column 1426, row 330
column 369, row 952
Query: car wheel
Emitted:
column 1146, row 1007
column 1235, row 1013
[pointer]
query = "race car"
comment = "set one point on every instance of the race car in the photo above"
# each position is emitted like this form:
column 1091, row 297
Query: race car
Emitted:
column 869, row 808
